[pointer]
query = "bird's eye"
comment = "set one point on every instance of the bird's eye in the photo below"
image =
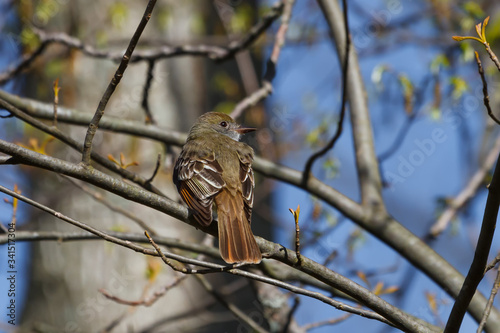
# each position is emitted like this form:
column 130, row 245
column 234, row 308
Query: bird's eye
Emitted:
column 223, row 124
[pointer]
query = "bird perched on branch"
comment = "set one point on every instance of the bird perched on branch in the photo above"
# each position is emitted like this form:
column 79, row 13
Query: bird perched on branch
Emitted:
column 214, row 167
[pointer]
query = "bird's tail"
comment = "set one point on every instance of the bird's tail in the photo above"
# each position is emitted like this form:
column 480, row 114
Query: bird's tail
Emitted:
column 236, row 241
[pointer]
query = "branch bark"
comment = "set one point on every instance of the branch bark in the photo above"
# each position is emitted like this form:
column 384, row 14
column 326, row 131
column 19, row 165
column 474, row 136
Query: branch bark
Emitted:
column 477, row 268
column 381, row 226
column 273, row 250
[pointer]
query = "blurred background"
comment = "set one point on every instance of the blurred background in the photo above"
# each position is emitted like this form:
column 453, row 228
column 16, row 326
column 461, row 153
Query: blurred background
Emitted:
column 431, row 132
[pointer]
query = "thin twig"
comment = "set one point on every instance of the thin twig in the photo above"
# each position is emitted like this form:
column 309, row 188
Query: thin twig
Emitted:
column 56, row 100
column 243, row 317
column 216, row 53
column 413, row 249
column 492, row 55
column 26, row 61
column 295, row 306
column 145, row 93
column 333, row 321
column 115, row 208
column 94, row 124
column 338, row 133
column 55, row 132
column 486, row 97
column 494, row 291
column 493, row 263
column 296, row 214
column 270, row 73
column 243, row 59
column 469, row 192
column 476, row 271
column 214, row 267
column 155, row 172
column 148, row 301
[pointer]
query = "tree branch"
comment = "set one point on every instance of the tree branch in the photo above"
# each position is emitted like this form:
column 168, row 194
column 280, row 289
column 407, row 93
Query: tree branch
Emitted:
column 340, row 124
column 384, row 227
column 489, row 306
column 213, row 52
column 476, row 271
column 275, row 251
column 486, row 97
column 94, row 123
column 55, row 132
column 470, row 190
column 366, row 160
column 270, row 73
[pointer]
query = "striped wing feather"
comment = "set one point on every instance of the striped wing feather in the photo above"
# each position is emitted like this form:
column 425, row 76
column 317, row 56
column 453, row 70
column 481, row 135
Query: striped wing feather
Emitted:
column 198, row 180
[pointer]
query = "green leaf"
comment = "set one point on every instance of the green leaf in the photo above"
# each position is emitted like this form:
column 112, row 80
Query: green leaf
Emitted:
column 435, row 113
column 459, row 86
column 467, row 52
column 439, row 61
column 241, row 21
column 473, row 9
column 331, row 166
column 493, row 33
column 377, row 75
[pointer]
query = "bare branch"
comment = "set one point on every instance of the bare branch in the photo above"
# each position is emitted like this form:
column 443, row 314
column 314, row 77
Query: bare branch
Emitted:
column 493, row 263
column 487, row 311
column 115, row 208
column 486, row 98
column 270, row 73
column 327, row 322
column 340, row 124
column 366, row 160
column 230, row 306
column 492, row 55
column 470, row 190
column 94, row 124
column 215, row 53
column 26, row 61
column 148, row 301
column 476, row 271
column 382, row 226
column 157, row 168
column 77, row 145
column 397, row 317
column 145, row 93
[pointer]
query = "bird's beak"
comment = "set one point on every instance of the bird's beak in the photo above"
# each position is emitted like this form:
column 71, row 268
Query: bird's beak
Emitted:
column 243, row 130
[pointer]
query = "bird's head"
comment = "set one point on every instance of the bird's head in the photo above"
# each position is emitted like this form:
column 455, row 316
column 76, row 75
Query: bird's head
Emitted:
column 220, row 123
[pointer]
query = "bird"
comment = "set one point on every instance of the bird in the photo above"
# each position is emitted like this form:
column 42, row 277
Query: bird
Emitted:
column 214, row 169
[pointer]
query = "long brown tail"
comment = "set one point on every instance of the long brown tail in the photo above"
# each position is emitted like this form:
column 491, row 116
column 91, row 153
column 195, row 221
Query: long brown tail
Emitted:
column 236, row 241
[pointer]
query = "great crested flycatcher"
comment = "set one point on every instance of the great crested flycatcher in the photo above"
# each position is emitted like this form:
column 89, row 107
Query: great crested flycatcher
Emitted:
column 215, row 167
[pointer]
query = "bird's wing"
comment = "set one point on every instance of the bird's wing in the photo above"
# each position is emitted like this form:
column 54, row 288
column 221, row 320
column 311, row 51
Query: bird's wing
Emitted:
column 247, row 182
column 198, row 180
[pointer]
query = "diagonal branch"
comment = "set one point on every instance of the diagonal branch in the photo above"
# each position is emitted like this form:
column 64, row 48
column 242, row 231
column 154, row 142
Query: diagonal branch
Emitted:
column 94, row 124
column 57, row 133
column 476, row 271
column 467, row 193
column 366, row 160
column 270, row 73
